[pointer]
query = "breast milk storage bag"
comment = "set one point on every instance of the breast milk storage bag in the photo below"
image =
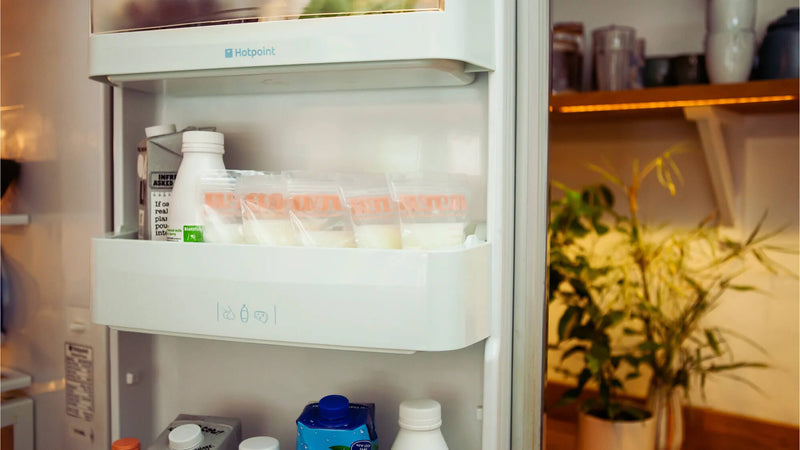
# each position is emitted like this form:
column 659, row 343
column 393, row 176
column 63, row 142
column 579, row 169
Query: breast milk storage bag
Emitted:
column 433, row 209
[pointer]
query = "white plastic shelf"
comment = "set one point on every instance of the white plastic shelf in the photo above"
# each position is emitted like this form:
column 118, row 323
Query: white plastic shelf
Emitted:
column 432, row 48
column 11, row 379
column 15, row 219
column 380, row 300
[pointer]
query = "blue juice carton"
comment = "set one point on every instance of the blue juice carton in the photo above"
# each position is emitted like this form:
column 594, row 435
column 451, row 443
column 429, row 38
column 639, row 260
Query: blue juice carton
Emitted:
column 336, row 424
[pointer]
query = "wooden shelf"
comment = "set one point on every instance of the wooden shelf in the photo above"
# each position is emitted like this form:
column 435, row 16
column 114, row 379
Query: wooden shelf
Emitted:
column 750, row 97
column 710, row 106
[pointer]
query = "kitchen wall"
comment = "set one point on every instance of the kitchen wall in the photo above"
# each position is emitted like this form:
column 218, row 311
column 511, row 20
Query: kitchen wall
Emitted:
column 764, row 157
column 53, row 123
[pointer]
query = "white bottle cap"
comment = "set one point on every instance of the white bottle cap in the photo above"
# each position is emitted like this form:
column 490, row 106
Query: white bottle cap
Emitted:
column 185, row 437
column 203, row 141
column 420, row 415
column 158, row 130
column 260, row 443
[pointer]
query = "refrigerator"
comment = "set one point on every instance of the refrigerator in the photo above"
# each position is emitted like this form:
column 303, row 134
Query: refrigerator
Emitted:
column 155, row 329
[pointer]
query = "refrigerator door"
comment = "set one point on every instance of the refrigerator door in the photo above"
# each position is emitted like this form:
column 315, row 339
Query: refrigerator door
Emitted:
column 159, row 376
column 530, row 304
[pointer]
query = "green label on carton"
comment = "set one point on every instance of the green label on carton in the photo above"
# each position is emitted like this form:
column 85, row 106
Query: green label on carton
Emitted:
column 192, row 233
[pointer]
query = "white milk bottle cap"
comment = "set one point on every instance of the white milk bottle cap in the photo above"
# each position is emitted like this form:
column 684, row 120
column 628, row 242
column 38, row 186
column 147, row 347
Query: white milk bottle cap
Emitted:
column 203, row 141
column 185, row 437
column 260, row 443
column 158, row 130
column 420, row 415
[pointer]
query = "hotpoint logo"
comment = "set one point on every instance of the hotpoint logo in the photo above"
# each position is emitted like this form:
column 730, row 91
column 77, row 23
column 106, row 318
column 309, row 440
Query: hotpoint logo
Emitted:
column 251, row 52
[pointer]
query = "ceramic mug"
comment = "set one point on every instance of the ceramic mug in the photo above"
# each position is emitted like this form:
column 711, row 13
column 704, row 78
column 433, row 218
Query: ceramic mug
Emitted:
column 730, row 15
column 729, row 56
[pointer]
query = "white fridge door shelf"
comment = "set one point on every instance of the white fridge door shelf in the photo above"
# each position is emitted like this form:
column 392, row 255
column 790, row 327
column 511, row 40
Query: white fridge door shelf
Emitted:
column 433, row 48
column 378, row 300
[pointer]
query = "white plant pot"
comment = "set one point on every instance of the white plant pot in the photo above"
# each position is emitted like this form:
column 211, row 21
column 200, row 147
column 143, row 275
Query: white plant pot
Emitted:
column 602, row 434
column 729, row 56
column 730, row 15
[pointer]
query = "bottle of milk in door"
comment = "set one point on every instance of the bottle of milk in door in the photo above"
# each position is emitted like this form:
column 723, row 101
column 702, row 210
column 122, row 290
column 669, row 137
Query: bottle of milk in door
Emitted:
column 202, row 152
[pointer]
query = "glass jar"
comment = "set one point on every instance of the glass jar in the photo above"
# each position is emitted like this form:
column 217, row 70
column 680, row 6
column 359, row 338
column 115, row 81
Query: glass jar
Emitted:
column 567, row 57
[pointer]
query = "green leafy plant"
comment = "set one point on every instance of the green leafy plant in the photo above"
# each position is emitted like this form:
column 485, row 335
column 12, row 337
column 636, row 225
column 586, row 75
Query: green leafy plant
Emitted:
column 636, row 296
column 587, row 323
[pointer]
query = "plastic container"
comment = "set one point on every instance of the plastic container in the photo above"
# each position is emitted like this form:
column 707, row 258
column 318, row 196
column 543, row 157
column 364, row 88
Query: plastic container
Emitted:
column 260, row 443
column 420, row 422
column 202, row 152
column 334, row 422
column 126, row 444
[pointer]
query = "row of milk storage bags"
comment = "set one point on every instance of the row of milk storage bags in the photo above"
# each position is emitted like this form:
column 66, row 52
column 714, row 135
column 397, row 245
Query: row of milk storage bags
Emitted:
column 189, row 196
column 333, row 423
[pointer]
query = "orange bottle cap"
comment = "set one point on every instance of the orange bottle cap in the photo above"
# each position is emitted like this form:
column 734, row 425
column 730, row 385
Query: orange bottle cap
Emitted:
column 126, row 444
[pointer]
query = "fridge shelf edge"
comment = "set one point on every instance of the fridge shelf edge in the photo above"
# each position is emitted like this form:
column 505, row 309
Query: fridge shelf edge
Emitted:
column 378, row 300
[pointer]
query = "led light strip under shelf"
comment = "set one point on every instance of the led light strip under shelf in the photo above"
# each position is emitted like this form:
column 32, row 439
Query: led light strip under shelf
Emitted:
column 671, row 104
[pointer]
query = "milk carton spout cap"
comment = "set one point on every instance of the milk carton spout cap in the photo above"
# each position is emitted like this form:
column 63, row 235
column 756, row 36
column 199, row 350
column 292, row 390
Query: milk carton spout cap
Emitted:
column 185, row 437
column 334, row 408
column 158, row 130
column 420, row 415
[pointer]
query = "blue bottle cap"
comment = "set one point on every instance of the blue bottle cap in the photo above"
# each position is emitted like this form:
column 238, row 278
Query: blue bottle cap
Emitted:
column 334, row 407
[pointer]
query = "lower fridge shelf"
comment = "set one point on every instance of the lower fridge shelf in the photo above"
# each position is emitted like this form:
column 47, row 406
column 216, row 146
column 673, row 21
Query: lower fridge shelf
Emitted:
column 364, row 299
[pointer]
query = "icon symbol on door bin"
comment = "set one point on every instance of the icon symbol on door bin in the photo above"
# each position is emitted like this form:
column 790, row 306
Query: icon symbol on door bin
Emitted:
column 228, row 314
column 261, row 316
column 229, row 53
column 244, row 314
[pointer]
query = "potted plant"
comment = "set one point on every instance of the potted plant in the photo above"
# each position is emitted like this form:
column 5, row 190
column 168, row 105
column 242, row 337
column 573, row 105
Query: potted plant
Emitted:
column 647, row 290
column 590, row 325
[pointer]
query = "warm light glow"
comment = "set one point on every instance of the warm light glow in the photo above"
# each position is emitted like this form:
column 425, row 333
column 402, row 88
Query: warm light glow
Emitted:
column 673, row 104
column 47, row 387
column 11, row 108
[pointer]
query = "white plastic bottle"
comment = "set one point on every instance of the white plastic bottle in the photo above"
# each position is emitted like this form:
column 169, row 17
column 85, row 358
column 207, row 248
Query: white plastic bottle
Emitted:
column 202, row 151
column 259, row 443
column 420, row 422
